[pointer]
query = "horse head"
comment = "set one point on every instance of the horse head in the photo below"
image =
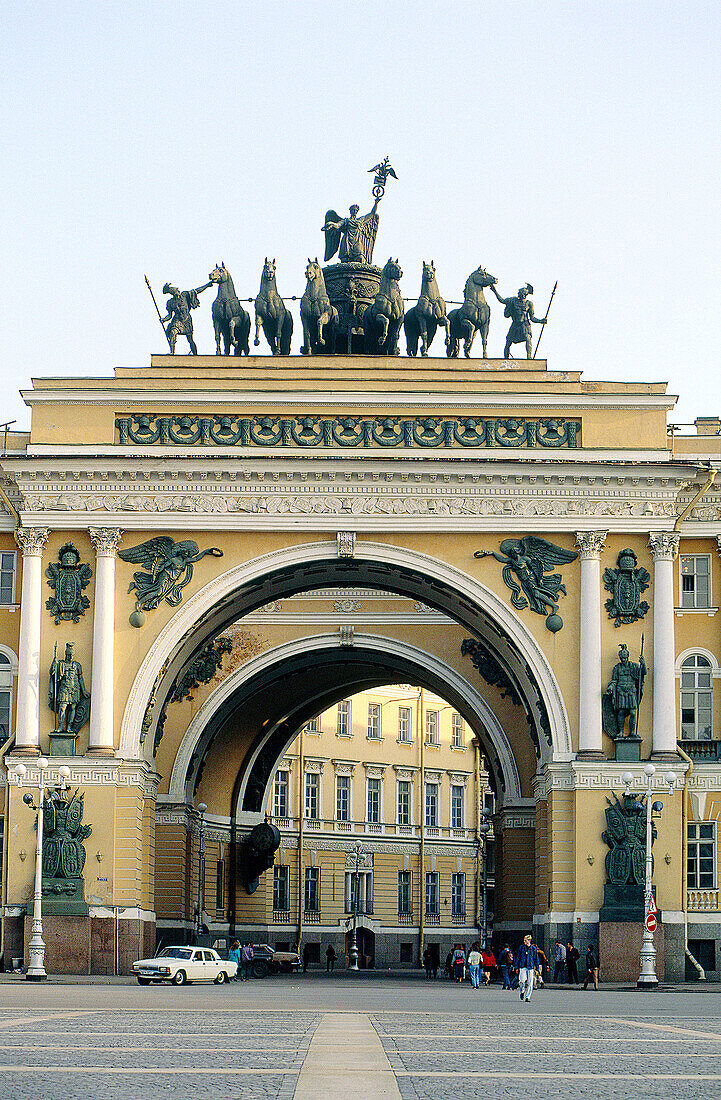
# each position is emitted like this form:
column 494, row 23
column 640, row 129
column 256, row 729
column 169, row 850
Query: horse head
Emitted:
column 393, row 270
column 481, row 277
column 219, row 273
column 429, row 272
column 269, row 269
column 312, row 271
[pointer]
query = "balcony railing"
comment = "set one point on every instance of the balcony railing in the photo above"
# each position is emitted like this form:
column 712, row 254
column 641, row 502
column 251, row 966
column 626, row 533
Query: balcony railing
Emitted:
column 281, row 916
column 432, row 917
column 311, row 916
column 702, row 750
column 405, row 918
column 703, row 901
column 458, row 917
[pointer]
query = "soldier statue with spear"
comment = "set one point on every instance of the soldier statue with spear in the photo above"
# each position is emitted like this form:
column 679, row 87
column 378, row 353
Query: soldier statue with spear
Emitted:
column 179, row 305
column 623, row 694
column 520, row 309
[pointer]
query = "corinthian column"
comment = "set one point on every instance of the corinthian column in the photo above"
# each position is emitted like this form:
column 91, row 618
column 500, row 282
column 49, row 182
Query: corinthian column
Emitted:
column 102, row 735
column 590, row 545
column 664, row 548
column 31, row 541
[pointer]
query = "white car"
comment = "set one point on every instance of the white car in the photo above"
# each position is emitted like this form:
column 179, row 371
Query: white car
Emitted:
column 185, row 964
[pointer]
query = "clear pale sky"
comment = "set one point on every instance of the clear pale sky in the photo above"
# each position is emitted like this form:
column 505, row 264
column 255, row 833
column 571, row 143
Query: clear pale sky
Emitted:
column 569, row 141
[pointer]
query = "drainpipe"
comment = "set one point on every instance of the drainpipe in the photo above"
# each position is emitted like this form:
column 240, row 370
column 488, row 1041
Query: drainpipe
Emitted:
column 422, row 801
column 684, row 865
column 301, row 792
column 692, row 504
column 479, row 815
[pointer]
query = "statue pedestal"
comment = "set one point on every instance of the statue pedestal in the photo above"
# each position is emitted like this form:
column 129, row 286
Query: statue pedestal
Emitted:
column 622, row 904
column 352, row 288
column 619, row 949
column 628, row 749
column 62, row 743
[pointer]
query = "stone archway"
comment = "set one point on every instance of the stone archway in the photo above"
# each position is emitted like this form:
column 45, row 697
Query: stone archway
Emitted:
column 294, row 569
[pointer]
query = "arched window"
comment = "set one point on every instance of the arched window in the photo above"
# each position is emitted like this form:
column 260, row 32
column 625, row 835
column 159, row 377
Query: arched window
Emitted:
column 6, row 696
column 696, row 698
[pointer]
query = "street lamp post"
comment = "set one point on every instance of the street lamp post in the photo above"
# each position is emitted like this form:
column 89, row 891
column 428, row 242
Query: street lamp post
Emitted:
column 353, row 953
column 201, row 868
column 647, row 978
column 36, row 969
column 484, row 829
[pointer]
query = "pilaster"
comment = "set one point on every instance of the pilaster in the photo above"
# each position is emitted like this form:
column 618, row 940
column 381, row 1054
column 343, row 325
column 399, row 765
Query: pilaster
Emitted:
column 664, row 548
column 106, row 541
column 590, row 545
column 31, row 541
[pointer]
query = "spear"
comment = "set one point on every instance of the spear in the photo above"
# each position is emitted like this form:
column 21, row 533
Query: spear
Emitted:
column 544, row 323
column 147, row 283
column 641, row 678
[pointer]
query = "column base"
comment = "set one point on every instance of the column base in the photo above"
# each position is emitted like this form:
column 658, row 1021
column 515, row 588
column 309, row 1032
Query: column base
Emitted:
column 25, row 750
column 665, row 755
column 100, row 752
column 591, row 754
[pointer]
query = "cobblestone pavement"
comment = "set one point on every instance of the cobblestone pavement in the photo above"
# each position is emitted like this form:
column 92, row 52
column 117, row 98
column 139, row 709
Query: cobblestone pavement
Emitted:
column 120, row 1042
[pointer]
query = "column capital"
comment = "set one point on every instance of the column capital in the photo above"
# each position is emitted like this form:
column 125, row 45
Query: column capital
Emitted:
column 590, row 544
column 664, row 545
column 106, row 540
column 32, row 540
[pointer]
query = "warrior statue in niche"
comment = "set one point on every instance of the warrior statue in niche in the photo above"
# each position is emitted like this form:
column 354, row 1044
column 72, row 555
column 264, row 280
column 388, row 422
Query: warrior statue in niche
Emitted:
column 67, row 696
column 623, row 694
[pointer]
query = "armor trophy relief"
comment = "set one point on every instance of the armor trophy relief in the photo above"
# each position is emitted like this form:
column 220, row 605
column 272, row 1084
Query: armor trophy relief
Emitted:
column 351, row 306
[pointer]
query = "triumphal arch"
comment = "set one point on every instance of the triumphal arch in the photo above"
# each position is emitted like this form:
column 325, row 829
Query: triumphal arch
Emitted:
column 202, row 554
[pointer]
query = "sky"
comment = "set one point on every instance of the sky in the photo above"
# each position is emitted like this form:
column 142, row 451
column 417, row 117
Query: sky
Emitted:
column 576, row 142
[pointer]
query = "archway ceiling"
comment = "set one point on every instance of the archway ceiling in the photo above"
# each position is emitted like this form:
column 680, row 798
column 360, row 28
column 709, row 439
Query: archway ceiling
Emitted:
column 275, row 703
column 297, row 577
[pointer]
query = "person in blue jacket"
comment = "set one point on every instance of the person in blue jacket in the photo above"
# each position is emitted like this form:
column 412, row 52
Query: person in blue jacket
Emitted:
column 528, row 965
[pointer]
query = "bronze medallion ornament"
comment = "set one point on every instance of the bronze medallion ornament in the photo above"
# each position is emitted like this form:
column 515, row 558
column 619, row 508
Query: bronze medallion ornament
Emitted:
column 68, row 577
column 626, row 583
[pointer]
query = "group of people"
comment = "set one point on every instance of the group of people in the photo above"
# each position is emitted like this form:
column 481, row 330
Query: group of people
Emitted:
column 243, row 956
column 566, row 965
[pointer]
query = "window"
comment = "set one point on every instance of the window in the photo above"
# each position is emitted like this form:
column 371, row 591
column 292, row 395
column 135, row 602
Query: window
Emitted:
column 458, row 731
column 701, row 856
column 280, row 794
column 343, row 720
column 280, row 889
column 373, row 812
column 312, row 951
column 696, row 698
column 695, row 580
column 431, row 727
column 6, row 694
column 7, row 578
column 406, row 952
column 220, row 885
column 374, row 721
column 431, row 893
column 457, row 799
column 431, row 805
column 311, row 895
column 312, row 786
column 364, row 883
column 404, row 723
column 458, row 895
column 313, row 726
column 342, row 798
column 404, row 802
column 405, row 896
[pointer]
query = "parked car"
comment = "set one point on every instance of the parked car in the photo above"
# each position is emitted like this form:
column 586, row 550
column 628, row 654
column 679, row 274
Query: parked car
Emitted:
column 185, row 964
column 269, row 961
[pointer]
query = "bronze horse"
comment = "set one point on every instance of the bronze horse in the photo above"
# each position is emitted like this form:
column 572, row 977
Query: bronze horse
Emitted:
column 422, row 320
column 472, row 317
column 319, row 317
column 270, row 312
column 383, row 319
column 230, row 320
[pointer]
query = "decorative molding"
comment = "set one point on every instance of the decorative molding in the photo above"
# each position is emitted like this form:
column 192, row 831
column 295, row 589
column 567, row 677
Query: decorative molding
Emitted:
column 405, row 771
column 375, row 771
column 347, row 606
column 459, row 779
column 345, row 544
column 346, row 636
column 664, row 545
column 313, row 766
column 97, row 774
column 354, row 432
column 32, row 540
column 518, row 819
column 106, row 540
column 433, row 776
column 365, row 863
column 344, row 767
column 590, row 544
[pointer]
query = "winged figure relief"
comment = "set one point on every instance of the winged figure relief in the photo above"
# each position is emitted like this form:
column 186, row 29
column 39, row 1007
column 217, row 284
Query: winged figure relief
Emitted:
column 169, row 568
column 526, row 563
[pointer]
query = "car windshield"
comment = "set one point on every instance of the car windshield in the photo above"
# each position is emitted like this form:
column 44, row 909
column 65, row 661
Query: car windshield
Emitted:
column 175, row 953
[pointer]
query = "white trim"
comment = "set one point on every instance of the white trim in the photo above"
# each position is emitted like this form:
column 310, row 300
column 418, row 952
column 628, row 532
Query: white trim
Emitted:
column 184, row 624
column 246, row 672
column 698, row 650
column 11, row 656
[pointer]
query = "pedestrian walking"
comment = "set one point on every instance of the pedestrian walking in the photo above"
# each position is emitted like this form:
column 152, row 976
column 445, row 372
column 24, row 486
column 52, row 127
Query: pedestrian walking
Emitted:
column 528, row 963
column 234, row 956
column 572, row 957
column 247, row 954
column 459, row 962
column 544, row 967
column 559, row 968
column 488, row 963
column 591, row 968
column 474, row 966
column 435, row 960
column 505, row 961
column 330, row 957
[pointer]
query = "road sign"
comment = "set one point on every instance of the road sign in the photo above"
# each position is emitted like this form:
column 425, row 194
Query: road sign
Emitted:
column 652, row 905
column 651, row 922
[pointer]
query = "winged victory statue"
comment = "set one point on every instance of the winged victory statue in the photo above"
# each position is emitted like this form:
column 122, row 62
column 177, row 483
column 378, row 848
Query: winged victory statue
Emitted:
column 525, row 563
column 170, row 568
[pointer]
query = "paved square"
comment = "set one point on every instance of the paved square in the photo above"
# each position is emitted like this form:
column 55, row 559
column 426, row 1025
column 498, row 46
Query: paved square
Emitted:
column 310, row 1036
